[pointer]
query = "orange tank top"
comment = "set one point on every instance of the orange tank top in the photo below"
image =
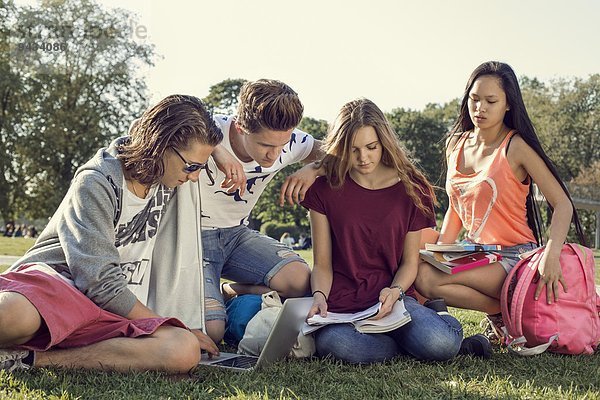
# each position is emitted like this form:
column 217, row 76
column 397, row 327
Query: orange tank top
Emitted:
column 491, row 203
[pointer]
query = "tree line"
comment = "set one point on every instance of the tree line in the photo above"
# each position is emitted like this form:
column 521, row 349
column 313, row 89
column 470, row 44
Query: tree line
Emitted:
column 67, row 89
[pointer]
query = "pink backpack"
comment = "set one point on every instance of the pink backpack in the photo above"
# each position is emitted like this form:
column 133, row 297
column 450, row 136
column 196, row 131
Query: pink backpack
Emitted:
column 570, row 325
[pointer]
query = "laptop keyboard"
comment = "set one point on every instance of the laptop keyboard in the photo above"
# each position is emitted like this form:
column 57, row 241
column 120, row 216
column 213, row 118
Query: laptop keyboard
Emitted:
column 239, row 362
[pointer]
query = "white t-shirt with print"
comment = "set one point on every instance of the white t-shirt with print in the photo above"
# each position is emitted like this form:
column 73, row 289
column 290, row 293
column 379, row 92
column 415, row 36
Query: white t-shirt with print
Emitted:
column 135, row 235
column 223, row 210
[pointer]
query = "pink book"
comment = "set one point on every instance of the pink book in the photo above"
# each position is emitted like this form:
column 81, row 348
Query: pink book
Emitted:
column 451, row 264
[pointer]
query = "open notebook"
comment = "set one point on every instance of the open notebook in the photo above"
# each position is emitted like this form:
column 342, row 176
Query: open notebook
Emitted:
column 279, row 343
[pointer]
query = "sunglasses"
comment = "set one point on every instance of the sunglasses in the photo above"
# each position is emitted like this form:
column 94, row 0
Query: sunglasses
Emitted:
column 193, row 167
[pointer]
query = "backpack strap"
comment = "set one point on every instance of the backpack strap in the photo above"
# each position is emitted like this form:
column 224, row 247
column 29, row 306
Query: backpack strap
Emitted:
column 514, row 318
column 517, row 346
column 529, row 271
column 586, row 258
column 504, row 300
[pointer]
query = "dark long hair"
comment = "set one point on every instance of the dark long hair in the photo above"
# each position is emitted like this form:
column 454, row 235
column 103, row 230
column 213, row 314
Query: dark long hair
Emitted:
column 515, row 118
column 174, row 122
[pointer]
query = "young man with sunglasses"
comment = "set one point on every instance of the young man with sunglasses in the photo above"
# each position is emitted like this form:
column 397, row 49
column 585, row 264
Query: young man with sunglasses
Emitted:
column 115, row 262
column 263, row 139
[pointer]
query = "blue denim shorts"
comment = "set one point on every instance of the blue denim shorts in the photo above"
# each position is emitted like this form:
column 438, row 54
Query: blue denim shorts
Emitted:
column 510, row 255
column 241, row 255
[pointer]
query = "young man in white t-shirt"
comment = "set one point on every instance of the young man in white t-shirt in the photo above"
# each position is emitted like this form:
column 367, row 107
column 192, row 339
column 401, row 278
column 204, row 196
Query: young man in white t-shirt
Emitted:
column 263, row 139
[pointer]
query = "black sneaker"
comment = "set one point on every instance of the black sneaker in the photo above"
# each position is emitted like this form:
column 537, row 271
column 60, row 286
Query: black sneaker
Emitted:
column 477, row 346
column 11, row 360
column 437, row 305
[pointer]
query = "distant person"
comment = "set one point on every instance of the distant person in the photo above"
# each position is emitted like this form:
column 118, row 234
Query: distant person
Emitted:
column 262, row 139
column 304, row 243
column 287, row 239
column 79, row 298
column 9, row 229
column 307, row 243
column 18, row 231
column 494, row 157
column 366, row 217
column 31, row 232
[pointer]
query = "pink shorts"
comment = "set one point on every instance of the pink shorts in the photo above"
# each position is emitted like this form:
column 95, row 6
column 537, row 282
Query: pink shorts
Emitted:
column 71, row 319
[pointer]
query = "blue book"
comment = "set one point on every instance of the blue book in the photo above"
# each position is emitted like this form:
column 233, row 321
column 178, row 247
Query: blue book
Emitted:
column 461, row 247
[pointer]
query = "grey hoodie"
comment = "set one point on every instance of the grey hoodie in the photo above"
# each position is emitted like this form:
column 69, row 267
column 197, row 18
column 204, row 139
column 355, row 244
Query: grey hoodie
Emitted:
column 79, row 243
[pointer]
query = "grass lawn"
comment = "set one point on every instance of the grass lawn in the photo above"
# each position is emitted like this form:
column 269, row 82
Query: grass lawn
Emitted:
column 504, row 376
column 15, row 246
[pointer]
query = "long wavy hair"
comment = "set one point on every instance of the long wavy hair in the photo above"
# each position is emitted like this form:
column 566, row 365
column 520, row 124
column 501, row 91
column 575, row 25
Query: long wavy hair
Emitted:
column 338, row 159
column 518, row 119
column 172, row 123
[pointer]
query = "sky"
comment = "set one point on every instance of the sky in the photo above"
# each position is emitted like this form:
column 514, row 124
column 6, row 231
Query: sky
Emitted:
column 397, row 53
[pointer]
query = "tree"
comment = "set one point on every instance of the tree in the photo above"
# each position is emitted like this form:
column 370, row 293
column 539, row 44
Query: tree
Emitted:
column 588, row 181
column 74, row 62
column 11, row 111
column 566, row 114
column 316, row 127
column 586, row 186
column 423, row 134
column 223, row 97
column 579, row 103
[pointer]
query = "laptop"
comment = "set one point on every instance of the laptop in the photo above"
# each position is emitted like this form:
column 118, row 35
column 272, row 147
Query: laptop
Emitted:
column 281, row 339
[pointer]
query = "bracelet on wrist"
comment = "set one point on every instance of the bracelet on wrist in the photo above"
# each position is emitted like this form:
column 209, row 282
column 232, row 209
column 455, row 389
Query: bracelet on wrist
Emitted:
column 402, row 294
column 320, row 291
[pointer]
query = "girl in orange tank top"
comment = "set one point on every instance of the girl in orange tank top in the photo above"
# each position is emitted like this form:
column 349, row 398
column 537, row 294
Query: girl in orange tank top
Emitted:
column 489, row 214
column 494, row 156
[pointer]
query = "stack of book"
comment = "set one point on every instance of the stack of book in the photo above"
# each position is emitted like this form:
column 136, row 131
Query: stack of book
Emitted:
column 457, row 257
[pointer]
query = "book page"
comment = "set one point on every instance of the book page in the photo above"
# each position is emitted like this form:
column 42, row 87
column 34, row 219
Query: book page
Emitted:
column 340, row 318
column 392, row 320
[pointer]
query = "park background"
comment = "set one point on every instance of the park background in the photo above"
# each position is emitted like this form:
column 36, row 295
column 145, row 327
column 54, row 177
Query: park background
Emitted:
column 73, row 75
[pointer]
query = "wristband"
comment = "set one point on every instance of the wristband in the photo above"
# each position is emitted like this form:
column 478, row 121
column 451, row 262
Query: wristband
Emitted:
column 320, row 291
column 402, row 294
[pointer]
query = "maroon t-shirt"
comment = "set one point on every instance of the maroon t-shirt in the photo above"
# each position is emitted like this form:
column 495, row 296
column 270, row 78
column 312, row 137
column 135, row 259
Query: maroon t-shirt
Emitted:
column 368, row 228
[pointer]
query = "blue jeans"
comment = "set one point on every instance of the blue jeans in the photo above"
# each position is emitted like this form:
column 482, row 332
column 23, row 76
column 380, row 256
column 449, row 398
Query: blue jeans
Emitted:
column 427, row 337
column 241, row 255
column 510, row 255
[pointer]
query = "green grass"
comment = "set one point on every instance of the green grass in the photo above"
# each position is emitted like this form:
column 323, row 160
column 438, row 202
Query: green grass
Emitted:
column 15, row 246
column 504, row 376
